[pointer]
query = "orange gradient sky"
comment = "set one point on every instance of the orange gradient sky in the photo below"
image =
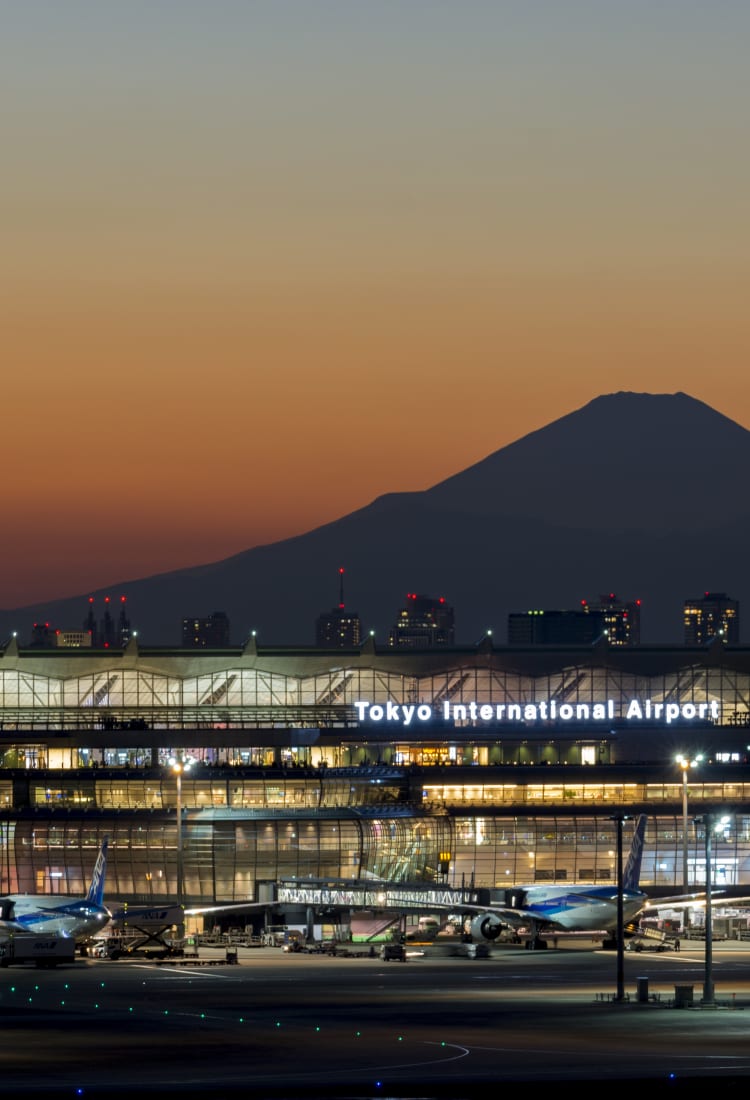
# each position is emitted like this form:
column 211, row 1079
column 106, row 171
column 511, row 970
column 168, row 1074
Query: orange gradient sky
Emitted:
column 265, row 261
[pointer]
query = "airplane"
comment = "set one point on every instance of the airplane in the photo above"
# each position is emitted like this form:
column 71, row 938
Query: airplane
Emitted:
column 582, row 908
column 76, row 918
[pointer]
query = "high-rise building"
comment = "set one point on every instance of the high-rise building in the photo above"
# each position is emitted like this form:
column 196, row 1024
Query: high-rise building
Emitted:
column 714, row 615
column 106, row 633
column 42, row 636
column 580, row 627
column 611, row 620
column 338, row 628
column 210, row 632
column 621, row 619
column 423, row 623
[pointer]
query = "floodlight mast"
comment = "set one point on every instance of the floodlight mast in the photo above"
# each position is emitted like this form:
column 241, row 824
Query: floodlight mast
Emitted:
column 685, row 763
column 178, row 766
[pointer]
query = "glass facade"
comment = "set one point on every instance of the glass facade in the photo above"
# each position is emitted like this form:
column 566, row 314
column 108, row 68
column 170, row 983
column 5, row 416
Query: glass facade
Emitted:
column 226, row 860
column 113, row 698
column 482, row 767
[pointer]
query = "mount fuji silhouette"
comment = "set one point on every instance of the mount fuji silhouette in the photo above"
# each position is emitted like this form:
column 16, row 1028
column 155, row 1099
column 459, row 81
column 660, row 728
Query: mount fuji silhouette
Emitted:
column 637, row 494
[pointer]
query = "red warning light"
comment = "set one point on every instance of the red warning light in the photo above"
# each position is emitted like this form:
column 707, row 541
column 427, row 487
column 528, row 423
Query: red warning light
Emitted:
column 341, row 570
column 442, row 599
column 91, row 599
column 123, row 599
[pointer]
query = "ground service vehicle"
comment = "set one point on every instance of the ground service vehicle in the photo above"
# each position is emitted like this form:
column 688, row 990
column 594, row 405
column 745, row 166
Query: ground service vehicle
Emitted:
column 274, row 935
column 652, row 939
column 43, row 951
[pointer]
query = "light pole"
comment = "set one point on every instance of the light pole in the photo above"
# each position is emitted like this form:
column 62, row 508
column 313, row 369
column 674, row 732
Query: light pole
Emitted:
column 685, row 764
column 620, row 994
column 180, row 765
column 710, row 825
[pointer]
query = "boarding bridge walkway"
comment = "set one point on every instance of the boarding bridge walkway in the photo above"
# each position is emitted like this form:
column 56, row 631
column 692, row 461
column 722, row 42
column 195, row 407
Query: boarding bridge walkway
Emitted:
column 359, row 894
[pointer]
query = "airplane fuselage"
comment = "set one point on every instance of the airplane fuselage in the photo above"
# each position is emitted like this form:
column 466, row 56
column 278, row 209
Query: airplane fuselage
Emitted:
column 586, row 909
column 72, row 917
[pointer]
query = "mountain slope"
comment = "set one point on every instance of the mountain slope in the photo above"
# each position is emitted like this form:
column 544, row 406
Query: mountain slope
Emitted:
column 633, row 493
column 625, row 457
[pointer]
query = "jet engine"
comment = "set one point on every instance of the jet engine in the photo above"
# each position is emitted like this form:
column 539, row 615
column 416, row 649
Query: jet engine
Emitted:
column 486, row 927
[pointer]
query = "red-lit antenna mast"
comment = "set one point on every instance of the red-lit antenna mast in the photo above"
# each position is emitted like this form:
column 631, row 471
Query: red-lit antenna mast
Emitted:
column 341, row 588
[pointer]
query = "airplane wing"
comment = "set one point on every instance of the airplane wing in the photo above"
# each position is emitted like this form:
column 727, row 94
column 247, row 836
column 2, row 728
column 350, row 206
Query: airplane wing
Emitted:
column 694, row 901
column 235, row 906
column 519, row 918
column 512, row 918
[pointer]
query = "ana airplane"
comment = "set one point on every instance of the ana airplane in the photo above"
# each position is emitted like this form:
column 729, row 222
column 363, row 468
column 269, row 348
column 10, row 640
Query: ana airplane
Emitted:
column 584, row 908
column 61, row 916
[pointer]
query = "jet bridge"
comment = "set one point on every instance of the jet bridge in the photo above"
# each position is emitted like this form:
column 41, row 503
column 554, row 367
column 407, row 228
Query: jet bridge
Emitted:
column 377, row 894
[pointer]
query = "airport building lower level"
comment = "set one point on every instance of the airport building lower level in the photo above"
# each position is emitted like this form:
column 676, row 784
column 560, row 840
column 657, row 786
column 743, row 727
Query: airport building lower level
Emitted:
column 478, row 766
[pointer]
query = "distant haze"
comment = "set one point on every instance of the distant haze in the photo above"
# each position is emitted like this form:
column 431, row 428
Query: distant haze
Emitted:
column 634, row 493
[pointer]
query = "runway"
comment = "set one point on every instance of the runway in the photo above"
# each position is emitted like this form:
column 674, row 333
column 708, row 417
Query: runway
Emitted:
column 277, row 1025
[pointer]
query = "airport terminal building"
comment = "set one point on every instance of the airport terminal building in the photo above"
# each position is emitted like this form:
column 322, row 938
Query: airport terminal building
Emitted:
column 482, row 766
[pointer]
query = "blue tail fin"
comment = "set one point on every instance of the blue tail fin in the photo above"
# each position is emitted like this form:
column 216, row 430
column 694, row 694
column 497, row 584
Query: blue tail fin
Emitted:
column 632, row 874
column 96, row 889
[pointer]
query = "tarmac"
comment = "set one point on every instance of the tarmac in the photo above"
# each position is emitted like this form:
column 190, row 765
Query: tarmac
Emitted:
column 304, row 1027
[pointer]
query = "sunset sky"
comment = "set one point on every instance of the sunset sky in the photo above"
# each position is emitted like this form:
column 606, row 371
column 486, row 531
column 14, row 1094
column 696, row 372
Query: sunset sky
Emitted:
column 264, row 261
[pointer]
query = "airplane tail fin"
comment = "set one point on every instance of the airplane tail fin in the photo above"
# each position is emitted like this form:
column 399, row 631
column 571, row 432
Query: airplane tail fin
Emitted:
column 632, row 874
column 96, row 889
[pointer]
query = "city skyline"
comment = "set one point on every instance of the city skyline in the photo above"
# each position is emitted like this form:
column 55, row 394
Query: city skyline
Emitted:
column 704, row 618
column 268, row 262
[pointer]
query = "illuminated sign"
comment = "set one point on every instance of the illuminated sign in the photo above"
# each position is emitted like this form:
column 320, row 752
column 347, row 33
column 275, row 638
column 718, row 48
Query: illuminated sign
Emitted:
column 646, row 710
